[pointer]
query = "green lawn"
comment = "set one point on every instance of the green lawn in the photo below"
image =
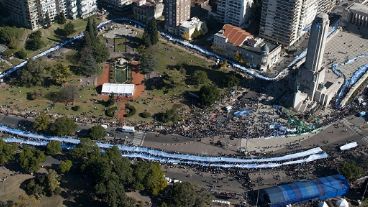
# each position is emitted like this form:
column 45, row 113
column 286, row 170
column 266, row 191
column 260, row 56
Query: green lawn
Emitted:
column 119, row 44
column 49, row 37
column 16, row 98
column 167, row 57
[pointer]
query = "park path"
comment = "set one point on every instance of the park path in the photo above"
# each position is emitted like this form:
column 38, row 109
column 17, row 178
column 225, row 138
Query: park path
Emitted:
column 137, row 80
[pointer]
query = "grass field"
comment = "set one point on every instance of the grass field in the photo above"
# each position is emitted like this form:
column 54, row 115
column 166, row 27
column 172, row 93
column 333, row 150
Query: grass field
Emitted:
column 166, row 58
column 119, row 44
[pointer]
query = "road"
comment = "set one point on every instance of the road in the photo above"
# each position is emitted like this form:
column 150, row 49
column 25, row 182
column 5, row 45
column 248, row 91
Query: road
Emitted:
column 341, row 132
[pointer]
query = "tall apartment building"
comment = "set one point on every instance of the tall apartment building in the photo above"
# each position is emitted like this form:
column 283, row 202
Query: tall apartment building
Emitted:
column 117, row 3
column 286, row 21
column 235, row 12
column 34, row 13
column 176, row 12
column 86, row 8
column 325, row 6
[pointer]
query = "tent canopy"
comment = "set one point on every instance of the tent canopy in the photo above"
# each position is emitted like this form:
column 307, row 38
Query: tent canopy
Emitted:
column 321, row 188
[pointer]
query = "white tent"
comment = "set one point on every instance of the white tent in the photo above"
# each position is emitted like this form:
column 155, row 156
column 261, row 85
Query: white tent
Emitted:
column 322, row 204
column 118, row 89
column 342, row 203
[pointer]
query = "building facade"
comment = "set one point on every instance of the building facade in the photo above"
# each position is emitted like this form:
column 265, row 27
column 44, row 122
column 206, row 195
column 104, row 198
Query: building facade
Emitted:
column 358, row 17
column 192, row 28
column 176, row 12
column 312, row 88
column 285, row 22
column 235, row 12
column 254, row 52
column 145, row 10
column 34, row 14
column 325, row 6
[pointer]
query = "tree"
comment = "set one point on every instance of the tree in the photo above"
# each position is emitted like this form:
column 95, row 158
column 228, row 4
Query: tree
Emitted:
column 230, row 80
column 63, row 127
column 100, row 51
column 150, row 35
column 34, row 41
column 53, row 183
column 146, row 39
column 147, row 63
column 33, row 74
column 43, row 184
column 60, row 18
column 65, row 166
column 84, row 152
column 199, row 77
column 60, row 73
column 169, row 115
column 30, row 159
column 53, row 147
column 87, row 62
column 149, row 176
column 97, row 132
column 351, row 170
column 47, row 21
column 7, row 152
column 208, row 94
column 41, row 123
column 186, row 195
column 155, row 179
column 68, row 29
column 10, row 36
column 67, row 94
column 21, row 54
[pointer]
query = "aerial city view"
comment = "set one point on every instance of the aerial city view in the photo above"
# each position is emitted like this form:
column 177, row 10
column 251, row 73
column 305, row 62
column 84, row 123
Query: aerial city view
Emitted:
column 183, row 103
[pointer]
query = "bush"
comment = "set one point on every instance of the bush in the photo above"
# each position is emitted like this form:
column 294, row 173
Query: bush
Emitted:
column 65, row 166
column 21, row 54
column 351, row 170
column 63, row 127
column 111, row 111
column 97, row 132
column 75, row 108
column 33, row 95
column 208, row 95
column 131, row 110
column 53, row 148
column 145, row 114
column 169, row 115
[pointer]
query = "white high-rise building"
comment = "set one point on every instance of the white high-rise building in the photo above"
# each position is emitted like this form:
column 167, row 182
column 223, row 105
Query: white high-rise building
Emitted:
column 33, row 14
column 235, row 12
column 86, row 8
column 286, row 21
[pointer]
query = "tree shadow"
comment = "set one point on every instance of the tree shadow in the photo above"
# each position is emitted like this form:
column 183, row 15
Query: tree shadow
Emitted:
column 77, row 191
column 25, row 124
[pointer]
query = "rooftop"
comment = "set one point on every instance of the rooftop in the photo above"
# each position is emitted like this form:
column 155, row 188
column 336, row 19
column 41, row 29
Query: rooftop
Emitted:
column 359, row 8
column 193, row 22
column 235, row 35
column 125, row 89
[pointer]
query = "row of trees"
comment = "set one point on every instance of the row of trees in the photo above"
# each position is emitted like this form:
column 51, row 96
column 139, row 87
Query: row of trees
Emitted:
column 111, row 174
column 62, row 126
column 39, row 73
